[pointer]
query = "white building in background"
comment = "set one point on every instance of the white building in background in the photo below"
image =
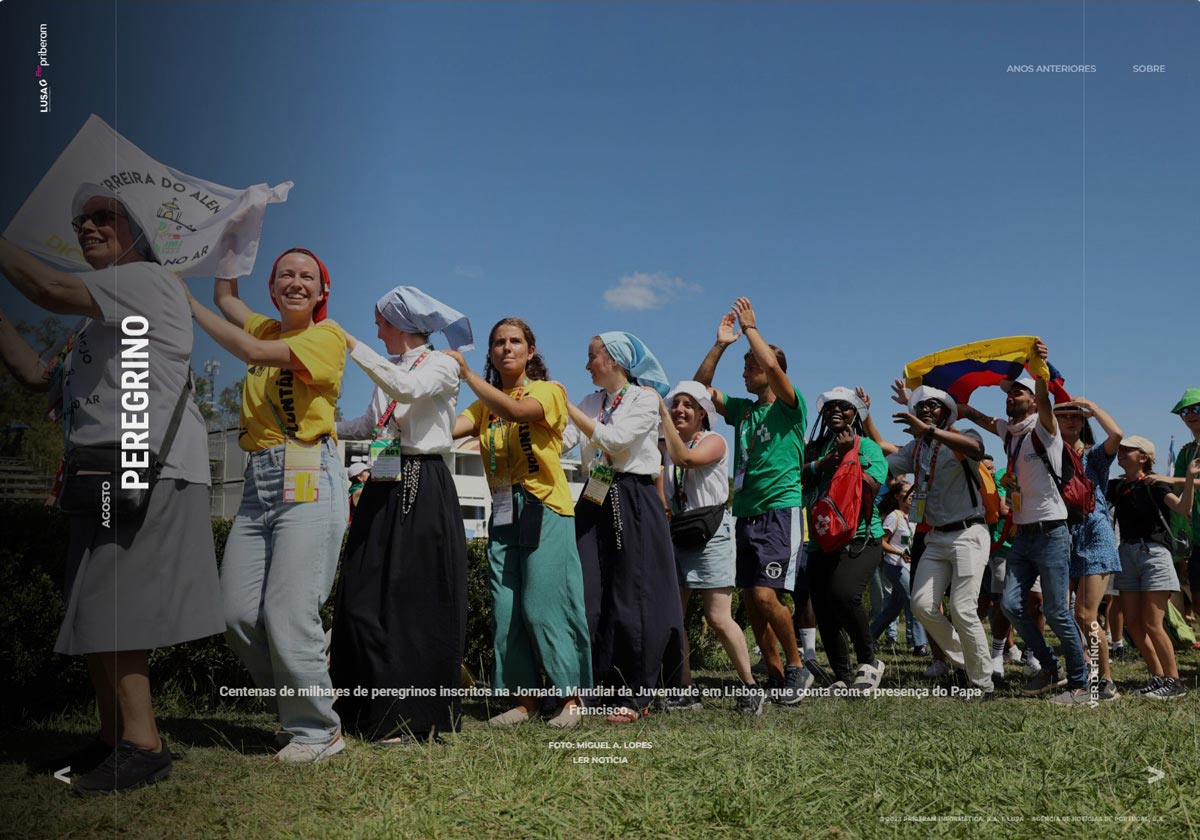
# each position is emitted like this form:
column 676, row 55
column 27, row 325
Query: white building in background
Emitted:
column 228, row 465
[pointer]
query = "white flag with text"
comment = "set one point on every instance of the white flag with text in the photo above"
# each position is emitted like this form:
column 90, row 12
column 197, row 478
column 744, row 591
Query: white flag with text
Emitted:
column 196, row 228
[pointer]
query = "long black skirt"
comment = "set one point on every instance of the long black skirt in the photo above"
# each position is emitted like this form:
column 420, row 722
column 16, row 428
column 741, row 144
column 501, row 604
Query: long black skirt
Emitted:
column 631, row 593
column 401, row 609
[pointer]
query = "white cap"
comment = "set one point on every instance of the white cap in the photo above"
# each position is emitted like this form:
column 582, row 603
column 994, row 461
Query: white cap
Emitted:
column 925, row 392
column 845, row 395
column 696, row 391
column 1024, row 382
column 357, row 464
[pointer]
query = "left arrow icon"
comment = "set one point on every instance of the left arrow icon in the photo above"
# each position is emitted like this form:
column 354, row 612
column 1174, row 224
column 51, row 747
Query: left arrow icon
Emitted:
column 61, row 775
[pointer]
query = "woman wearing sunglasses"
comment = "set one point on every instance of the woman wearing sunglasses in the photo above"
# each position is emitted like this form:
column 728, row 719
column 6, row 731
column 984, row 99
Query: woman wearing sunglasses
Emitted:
column 1188, row 409
column 125, row 595
column 282, row 551
column 837, row 580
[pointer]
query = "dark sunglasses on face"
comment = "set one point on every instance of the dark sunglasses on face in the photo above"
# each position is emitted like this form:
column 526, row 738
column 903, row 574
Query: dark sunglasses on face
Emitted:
column 99, row 218
column 931, row 406
column 839, row 406
column 1191, row 409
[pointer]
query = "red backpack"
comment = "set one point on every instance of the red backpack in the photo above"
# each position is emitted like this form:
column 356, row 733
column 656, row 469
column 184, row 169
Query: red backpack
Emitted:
column 835, row 516
column 1077, row 490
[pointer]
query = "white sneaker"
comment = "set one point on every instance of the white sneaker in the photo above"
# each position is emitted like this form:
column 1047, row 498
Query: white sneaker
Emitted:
column 998, row 667
column 298, row 753
column 1032, row 665
column 868, row 676
column 936, row 670
column 1013, row 655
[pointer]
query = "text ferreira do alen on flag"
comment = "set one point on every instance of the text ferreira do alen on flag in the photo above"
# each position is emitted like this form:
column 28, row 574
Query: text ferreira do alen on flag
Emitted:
column 196, row 228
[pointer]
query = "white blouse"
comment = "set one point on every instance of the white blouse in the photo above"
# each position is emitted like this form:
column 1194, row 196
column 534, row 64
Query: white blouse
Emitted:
column 425, row 400
column 630, row 437
column 702, row 486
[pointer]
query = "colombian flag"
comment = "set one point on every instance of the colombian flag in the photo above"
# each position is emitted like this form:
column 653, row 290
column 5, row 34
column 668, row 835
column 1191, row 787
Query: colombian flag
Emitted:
column 960, row 370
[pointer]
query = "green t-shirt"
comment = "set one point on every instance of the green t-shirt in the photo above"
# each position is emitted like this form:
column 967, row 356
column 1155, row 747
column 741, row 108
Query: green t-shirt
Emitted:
column 998, row 528
column 769, row 445
column 874, row 464
column 1189, row 452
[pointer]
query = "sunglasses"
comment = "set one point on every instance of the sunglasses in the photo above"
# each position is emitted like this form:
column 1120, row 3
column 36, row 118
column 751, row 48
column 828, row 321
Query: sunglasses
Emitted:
column 99, row 218
column 1188, row 410
column 838, row 406
column 929, row 405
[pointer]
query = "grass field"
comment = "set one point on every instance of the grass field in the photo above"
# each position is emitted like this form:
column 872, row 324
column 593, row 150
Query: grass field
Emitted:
column 889, row 767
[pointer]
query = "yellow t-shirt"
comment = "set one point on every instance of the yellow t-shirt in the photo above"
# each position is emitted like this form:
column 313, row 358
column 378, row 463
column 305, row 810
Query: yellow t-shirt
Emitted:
column 528, row 454
column 304, row 400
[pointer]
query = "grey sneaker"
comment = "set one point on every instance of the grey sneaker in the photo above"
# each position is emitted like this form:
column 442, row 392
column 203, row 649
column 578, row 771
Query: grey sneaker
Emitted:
column 298, row 753
column 796, row 682
column 1073, row 697
column 751, row 700
column 1041, row 682
column 1108, row 691
column 1168, row 688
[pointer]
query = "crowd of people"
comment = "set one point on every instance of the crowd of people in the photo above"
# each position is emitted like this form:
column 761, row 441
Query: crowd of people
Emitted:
column 589, row 594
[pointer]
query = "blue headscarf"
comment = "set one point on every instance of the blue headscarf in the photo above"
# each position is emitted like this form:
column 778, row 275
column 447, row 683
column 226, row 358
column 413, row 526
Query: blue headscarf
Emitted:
column 409, row 309
column 630, row 353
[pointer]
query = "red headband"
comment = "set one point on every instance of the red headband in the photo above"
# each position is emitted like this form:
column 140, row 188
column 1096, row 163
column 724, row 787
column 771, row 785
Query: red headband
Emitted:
column 319, row 312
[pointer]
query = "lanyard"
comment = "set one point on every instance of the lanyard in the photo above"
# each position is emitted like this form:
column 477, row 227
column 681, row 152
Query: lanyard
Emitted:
column 387, row 413
column 495, row 423
column 680, row 496
column 279, row 420
column 933, row 463
column 604, row 416
column 606, row 413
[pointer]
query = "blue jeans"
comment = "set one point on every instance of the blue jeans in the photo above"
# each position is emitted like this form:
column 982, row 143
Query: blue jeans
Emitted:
column 277, row 571
column 880, row 593
column 1048, row 555
column 898, row 599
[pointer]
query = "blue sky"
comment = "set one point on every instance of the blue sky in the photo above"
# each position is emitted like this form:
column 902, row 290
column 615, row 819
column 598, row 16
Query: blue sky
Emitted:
column 869, row 174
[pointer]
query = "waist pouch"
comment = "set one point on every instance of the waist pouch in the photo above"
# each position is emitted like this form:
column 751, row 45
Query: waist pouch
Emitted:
column 694, row 528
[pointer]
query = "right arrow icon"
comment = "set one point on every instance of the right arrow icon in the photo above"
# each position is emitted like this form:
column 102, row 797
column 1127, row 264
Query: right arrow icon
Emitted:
column 1155, row 775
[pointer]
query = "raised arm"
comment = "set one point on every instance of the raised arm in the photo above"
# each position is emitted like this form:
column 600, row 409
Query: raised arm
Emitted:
column 225, row 296
column 871, row 429
column 780, row 384
column 19, row 357
column 708, row 451
column 57, row 291
column 978, row 418
column 708, row 368
column 1114, row 432
column 247, row 348
column 501, row 404
column 1041, row 394
column 1183, row 504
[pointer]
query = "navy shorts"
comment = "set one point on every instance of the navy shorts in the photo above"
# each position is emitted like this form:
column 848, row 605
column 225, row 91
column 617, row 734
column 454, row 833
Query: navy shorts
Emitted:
column 770, row 549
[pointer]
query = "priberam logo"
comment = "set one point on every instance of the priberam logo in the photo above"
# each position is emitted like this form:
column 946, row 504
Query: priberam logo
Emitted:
column 43, row 83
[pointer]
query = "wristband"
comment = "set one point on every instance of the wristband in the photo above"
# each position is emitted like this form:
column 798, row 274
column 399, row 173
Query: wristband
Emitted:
column 747, row 329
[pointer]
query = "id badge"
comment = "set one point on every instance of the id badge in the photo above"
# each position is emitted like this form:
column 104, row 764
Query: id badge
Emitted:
column 502, row 505
column 739, row 479
column 919, row 507
column 599, row 481
column 301, row 471
column 385, row 460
